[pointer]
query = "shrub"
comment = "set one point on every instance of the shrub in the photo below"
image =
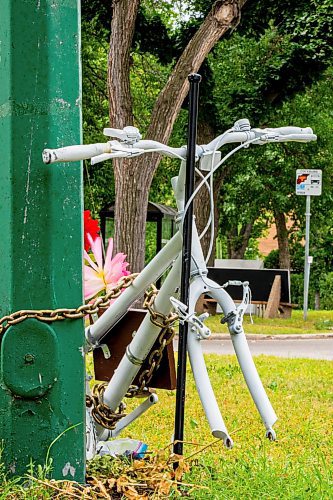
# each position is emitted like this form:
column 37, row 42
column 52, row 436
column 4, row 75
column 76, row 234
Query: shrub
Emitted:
column 326, row 291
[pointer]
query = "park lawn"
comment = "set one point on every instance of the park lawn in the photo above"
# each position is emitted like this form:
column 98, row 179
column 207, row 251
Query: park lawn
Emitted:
column 317, row 322
column 298, row 465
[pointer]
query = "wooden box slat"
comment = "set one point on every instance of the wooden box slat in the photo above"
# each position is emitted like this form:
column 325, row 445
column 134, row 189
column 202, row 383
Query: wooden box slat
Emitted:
column 117, row 340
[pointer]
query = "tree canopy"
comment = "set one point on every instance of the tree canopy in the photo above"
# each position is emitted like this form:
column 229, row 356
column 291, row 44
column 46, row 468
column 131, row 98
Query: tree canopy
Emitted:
column 273, row 68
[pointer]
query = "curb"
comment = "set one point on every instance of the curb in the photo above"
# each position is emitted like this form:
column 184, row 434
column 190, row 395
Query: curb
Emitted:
column 254, row 336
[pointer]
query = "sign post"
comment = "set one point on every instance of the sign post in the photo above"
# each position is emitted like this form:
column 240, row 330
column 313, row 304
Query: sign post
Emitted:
column 308, row 183
column 42, row 407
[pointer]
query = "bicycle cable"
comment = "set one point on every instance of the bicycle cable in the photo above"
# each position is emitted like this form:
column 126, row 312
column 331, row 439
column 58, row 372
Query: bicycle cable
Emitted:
column 226, row 157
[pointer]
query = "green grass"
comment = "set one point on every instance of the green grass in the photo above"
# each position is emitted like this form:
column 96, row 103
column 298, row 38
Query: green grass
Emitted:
column 317, row 322
column 297, row 466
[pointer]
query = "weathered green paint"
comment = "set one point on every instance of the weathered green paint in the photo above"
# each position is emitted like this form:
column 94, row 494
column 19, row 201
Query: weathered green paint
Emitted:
column 42, row 367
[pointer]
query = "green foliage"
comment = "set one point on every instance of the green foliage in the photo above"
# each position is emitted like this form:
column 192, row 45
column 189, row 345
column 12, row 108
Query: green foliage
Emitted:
column 98, row 180
column 326, row 288
column 263, row 179
column 308, row 23
column 271, row 261
column 323, row 286
column 262, row 71
column 148, row 77
column 297, row 290
column 297, row 465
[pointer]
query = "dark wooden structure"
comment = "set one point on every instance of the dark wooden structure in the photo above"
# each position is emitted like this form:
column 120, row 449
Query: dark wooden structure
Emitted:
column 155, row 213
column 270, row 290
column 118, row 339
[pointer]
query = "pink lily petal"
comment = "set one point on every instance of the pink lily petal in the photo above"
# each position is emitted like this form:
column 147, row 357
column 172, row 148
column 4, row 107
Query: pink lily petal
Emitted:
column 96, row 247
column 92, row 289
column 98, row 278
column 90, row 273
column 115, row 273
column 90, row 261
column 93, row 282
column 115, row 267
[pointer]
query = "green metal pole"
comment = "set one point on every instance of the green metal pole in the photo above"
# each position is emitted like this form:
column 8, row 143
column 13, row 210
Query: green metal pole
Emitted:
column 42, row 365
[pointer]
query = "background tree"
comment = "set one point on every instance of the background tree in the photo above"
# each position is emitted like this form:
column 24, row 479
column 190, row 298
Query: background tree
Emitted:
column 275, row 54
column 133, row 179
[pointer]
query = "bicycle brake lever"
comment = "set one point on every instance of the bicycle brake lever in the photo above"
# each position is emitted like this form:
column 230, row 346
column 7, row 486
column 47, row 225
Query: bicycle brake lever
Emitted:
column 117, row 152
column 128, row 135
column 106, row 156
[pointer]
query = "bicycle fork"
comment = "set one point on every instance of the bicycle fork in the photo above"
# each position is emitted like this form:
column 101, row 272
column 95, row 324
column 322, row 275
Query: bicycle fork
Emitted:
column 244, row 357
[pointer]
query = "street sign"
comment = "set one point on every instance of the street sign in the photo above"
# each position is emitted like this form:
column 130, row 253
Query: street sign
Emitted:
column 308, row 182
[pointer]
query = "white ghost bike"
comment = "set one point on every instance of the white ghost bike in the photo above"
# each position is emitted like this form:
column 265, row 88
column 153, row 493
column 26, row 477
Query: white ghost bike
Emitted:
column 128, row 144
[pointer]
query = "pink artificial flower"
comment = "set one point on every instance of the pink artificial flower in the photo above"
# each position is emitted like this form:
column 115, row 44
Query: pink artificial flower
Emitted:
column 98, row 278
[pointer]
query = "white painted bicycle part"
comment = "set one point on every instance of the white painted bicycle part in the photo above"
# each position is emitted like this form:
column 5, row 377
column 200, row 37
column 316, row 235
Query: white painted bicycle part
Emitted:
column 284, row 134
column 91, row 435
column 156, row 267
column 140, row 346
column 128, row 135
column 245, row 360
column 106, row 434
column 271, row 434
column 74, row 153
column 196, row 325
column 201, row 377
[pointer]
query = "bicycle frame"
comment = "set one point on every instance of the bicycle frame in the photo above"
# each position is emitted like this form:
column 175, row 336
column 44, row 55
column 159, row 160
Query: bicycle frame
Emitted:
column 147, row 333
column 131, row 145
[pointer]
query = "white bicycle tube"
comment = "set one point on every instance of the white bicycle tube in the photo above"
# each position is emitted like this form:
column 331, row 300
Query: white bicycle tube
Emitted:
column 148, row 275
column 142, row 342
column 201, row 377
column 245, row 360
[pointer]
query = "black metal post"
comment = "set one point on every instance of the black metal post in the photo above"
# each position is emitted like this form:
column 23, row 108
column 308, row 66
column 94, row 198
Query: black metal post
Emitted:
column 194, row 80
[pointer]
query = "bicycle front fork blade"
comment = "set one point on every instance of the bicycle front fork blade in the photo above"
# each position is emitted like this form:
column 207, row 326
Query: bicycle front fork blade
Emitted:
column 205, row 391
column 245, row 361
column 252, row 379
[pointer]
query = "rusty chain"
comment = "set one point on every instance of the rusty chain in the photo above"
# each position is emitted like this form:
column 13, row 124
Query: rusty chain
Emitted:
column 166, row 336
column 50, row 315
column 101, row 412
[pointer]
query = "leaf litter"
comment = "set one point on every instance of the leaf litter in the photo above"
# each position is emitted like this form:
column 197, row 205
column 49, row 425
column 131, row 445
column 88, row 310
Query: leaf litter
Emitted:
column 158, row 475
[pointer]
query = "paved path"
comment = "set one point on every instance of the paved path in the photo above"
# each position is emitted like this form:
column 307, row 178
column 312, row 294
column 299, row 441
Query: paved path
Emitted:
column 321, row 348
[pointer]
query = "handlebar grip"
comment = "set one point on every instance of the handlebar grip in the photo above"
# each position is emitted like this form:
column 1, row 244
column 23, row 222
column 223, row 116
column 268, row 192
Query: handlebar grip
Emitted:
column 284, row 134
column 295, row 134
column 74, row 153
column 291, row 130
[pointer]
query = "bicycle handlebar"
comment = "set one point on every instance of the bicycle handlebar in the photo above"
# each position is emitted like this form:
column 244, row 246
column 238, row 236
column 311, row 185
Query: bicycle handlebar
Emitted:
column 115, row 149
column 284, row 134
column 74, row 153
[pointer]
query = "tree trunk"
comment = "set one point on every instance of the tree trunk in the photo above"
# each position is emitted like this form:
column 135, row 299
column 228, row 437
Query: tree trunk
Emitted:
column 132, row 180
column 124, row 14
column 238, row 241
column 282, row 236
column 317, row 300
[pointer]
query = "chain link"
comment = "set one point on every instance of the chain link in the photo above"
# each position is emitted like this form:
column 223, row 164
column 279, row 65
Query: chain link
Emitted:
column 100, row 411
column 50, row 315
column 165, row 338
